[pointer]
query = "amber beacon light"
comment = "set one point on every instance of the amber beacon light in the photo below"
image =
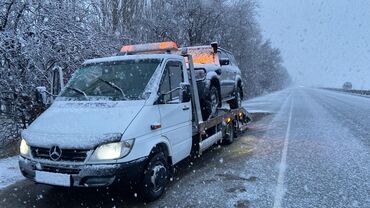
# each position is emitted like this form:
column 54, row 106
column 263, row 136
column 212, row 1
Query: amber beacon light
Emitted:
column 150, row 47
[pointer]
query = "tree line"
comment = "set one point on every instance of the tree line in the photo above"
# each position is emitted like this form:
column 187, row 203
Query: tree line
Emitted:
column 38, row 35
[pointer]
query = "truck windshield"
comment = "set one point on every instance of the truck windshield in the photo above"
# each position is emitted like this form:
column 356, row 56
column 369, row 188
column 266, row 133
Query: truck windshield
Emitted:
column 116, row 80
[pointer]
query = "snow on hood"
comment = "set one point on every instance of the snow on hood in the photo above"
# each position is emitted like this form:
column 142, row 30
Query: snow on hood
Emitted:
column 82, row 124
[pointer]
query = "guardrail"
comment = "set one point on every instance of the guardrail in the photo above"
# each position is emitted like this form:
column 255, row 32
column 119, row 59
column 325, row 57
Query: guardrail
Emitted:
column 359, row 92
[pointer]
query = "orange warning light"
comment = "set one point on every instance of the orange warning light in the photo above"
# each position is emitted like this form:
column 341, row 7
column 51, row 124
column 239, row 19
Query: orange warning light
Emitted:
column 150, row 47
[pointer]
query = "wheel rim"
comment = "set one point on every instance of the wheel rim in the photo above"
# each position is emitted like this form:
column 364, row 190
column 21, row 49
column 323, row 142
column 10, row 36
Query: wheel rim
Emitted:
column 158, row 177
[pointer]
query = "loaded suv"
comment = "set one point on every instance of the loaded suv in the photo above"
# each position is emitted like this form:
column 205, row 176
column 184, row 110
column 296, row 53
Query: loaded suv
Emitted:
column 218, row 78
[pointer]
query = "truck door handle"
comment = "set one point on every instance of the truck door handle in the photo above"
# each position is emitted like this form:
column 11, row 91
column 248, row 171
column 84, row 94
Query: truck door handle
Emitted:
column 186, row 108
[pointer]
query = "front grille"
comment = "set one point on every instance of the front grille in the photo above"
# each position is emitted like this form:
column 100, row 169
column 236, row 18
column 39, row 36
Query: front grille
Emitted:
column 65, row 170
column 71, row 155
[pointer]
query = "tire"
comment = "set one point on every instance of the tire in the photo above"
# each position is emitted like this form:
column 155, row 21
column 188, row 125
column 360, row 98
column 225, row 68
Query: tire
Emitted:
column 229, row 135
column 155, row 177
column 211, row 103
column 237, row 101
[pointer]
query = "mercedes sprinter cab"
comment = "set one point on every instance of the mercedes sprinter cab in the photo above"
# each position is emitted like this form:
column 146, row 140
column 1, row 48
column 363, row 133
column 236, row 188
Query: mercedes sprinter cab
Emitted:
column 125, row 118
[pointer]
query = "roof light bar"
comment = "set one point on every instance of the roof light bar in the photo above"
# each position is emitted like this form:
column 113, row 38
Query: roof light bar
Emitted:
column 150, row 47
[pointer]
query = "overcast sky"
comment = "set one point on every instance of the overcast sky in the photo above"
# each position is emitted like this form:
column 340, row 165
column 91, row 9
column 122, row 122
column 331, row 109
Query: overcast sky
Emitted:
column 323, row 43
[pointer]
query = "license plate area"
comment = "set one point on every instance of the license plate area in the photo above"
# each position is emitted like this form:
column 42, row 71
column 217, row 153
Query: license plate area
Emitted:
column 58, row 179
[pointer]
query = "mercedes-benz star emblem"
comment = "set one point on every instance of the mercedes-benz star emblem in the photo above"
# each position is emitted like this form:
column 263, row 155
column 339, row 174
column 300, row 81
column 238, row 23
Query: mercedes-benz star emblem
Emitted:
column 55, row 153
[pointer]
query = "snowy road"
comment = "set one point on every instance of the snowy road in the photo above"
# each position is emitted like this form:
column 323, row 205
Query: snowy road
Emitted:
column 313, row 150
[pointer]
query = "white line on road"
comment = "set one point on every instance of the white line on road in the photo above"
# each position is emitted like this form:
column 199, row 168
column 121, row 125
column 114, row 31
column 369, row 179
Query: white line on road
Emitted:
column 279, row 192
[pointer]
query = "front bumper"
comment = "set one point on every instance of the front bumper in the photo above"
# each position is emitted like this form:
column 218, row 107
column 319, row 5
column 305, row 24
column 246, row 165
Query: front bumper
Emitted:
column 96, row 175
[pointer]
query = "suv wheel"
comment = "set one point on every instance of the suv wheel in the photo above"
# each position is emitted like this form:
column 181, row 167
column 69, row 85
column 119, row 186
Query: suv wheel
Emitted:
column 155, row 177
column 237, row 101
column 211, row 103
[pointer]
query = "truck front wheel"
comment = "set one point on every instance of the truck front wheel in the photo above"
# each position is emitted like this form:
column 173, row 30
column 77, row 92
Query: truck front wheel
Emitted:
column 155, row 177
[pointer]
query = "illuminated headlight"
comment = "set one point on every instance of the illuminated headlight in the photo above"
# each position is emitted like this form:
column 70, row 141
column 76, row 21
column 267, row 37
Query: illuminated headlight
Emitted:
column 24, row 149
column 112, row 151
column 200, row 74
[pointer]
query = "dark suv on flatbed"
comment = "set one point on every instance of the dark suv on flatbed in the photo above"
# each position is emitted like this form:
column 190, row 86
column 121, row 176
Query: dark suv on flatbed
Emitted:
column 218, row 78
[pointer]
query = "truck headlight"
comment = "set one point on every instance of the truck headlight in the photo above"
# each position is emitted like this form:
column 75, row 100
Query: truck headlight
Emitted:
column 112, row 151
column 24, row 149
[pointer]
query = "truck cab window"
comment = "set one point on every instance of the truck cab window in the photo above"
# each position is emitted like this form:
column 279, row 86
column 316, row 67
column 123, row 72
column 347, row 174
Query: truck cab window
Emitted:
column 171, row 80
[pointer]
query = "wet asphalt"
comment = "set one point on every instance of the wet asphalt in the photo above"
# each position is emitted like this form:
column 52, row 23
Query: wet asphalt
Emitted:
column 306, row 148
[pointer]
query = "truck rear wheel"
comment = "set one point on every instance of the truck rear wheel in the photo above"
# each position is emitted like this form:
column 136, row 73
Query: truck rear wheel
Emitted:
column 229, row 134
column 155, row 177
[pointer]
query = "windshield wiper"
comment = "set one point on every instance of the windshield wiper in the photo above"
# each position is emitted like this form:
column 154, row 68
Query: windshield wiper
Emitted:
column 115, row 87
column 78, row 90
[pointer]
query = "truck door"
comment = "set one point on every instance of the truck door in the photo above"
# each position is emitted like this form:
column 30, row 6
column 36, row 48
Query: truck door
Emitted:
column 175, row 115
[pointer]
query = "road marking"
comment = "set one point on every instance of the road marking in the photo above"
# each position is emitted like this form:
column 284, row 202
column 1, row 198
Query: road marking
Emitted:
column 279, row 191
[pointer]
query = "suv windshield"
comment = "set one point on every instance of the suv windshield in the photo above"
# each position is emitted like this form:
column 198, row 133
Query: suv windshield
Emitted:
column 118, row 80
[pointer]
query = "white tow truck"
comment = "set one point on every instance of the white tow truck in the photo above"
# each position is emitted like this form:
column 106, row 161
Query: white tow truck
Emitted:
column 125, row 119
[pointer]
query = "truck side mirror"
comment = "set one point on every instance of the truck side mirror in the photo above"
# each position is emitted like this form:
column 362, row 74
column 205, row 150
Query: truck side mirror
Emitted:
column 45, row 97
column 185, row 92
column 224, row 61
column 57, row 83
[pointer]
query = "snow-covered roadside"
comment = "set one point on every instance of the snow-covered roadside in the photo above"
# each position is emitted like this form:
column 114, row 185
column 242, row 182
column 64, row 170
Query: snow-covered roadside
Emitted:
column 9, row 171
